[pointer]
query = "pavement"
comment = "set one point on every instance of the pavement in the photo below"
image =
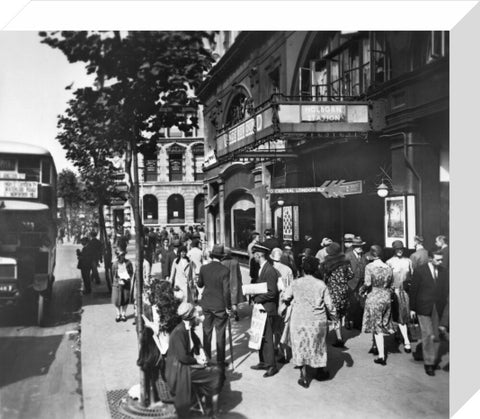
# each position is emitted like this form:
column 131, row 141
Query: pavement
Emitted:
column 357, row 388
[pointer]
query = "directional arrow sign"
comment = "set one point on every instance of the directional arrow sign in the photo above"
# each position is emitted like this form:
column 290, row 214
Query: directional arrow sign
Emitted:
column 329, row 189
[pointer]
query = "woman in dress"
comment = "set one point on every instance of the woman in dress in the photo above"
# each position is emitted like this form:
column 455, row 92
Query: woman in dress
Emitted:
column 122, row 272
column 336, row 272
column 308, row 322
column 376, row 317
column 182, row 273
column 402, row 270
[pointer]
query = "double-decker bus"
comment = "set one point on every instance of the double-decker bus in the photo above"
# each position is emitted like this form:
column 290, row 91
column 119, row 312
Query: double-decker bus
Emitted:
column 28, row 211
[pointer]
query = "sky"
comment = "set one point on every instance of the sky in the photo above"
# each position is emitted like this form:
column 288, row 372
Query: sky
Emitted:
column 33, row 77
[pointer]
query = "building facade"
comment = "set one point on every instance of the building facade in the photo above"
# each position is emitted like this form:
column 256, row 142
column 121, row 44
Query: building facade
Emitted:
column 304, row 131
column 171, row 184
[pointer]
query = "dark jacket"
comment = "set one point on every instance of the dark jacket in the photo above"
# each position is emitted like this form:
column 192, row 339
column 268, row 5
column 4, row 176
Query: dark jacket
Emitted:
column 358, row 268
column 215, row 277
column 177, row 369
column 269, row 300
column 235, row 279
column 94, row 250
column 167, row 258
column 425, row 292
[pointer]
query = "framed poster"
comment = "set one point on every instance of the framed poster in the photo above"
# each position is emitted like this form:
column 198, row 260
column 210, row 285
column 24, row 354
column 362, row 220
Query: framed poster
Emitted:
column 400, row 220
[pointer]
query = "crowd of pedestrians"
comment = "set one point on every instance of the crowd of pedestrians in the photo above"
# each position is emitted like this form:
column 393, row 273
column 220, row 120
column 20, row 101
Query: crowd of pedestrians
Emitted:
column 304, row 295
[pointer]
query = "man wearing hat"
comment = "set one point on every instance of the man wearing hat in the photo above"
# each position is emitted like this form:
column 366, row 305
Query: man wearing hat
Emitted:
column 270, row 241
column 420, row 256
column 216, row 302
column 322, row 253
column 269, row 301
column 347, row 242
column 285, row 279
column 357, row 262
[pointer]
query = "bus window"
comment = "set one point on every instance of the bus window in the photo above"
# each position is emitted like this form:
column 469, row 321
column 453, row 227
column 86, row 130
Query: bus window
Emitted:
column 46, row 172
column 31, row 167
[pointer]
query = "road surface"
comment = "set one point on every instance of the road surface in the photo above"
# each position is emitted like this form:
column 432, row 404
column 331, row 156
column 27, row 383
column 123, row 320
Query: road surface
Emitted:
column 40, row 367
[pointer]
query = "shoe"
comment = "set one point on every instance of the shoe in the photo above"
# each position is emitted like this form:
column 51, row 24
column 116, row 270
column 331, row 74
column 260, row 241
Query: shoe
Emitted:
column 339, row 343
column 303, row 382
column 270, row 372
column 380, row 361
column 259, row 366
column 373, row 350
column 322, row 375
column 407, row 349
column 123, row 319
column 118, row 318
column 430, row 370
column 282, row 360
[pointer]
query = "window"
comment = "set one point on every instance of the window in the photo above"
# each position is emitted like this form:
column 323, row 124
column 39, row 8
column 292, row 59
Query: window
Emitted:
column 176, row 209
column 30, row 166
column 150, row 209
column 46, row 167
column 175, row 162
column 198, row 160
column 199, row 208
column 438, row 45
column 237, row 110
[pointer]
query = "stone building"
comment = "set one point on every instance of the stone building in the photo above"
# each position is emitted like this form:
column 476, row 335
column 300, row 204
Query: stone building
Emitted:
column 327, row 133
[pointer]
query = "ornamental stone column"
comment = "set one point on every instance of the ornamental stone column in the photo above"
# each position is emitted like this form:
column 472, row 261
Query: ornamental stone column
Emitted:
column 221, row 210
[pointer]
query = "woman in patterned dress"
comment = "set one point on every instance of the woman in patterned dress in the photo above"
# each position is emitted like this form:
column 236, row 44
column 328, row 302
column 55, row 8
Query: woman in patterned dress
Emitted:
column 336, row 272
column 308, row 322
column 402, row 269
column 376, row 317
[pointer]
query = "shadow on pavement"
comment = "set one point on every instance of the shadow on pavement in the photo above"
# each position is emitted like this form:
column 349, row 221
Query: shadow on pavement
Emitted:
column 37, row 353
column 230, row 399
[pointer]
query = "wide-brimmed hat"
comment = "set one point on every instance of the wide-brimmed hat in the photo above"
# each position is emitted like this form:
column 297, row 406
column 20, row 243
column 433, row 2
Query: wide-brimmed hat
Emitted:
column 260, row 247
column 357, row 241
column 276, row 254
column 326, row 241
column 348, row 238
column 217, row 251
column 186, row 311
column 334, row 249
column 397, row 244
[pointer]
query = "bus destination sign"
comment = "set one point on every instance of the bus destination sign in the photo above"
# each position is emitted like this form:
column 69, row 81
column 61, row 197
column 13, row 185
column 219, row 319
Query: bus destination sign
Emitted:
column 18, row 189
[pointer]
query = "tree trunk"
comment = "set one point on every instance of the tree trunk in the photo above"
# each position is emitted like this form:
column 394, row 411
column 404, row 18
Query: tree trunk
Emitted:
column 134, row 200
column 107, row 249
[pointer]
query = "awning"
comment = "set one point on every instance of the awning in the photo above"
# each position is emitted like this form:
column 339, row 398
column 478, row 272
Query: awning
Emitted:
column 213, row 202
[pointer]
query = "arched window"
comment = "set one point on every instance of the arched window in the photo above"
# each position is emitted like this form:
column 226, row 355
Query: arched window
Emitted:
column 199, row 208
column 239, row 109
column 150, row 209
column 176, row 209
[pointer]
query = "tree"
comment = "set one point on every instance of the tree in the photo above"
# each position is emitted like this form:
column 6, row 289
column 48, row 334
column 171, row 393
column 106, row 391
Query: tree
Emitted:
column 145, row 82
column 69, row 189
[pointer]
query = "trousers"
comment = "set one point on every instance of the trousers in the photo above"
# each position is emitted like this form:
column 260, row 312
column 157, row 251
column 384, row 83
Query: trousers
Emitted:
column 430, row 340
column 267, row 349
column 217, row 319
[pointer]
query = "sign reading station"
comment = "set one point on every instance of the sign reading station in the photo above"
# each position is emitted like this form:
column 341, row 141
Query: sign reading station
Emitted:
column 324, row 113
column 18, row 189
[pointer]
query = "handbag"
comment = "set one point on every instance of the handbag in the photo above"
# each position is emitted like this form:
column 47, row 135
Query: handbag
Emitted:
column 414, row 331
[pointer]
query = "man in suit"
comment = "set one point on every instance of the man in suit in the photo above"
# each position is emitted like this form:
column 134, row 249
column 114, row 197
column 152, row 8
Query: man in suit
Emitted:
column 94, row 250
column 441, row 243
column 420, row 256
column 269, row 301
column 428, row 298
column 358, row 262
column 270, row 241
column 167, row 256
column 216, row 302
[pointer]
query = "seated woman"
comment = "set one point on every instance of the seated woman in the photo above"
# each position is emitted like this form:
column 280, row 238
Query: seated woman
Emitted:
column 186, row 366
